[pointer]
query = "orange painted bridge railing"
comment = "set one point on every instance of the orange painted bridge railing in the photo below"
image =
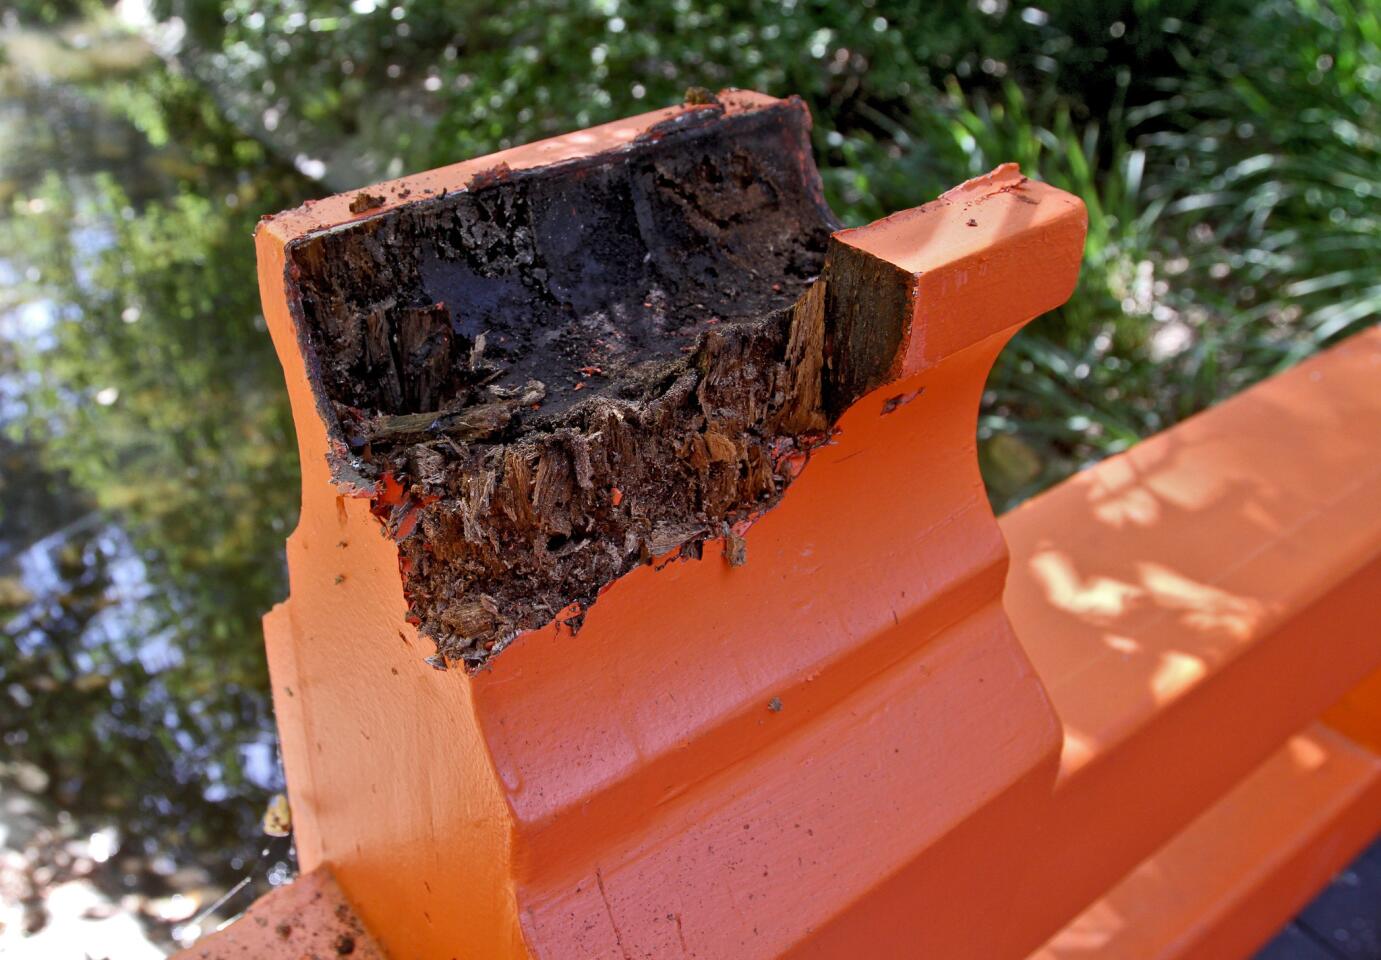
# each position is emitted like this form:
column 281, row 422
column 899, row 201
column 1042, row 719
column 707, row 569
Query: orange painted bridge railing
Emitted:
column 848, row 713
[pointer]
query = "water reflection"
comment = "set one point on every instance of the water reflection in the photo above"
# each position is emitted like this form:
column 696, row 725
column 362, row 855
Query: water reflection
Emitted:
column 147, row 480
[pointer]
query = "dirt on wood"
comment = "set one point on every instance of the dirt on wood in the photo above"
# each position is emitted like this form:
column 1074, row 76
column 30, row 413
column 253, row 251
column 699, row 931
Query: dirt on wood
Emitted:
column 558, row 374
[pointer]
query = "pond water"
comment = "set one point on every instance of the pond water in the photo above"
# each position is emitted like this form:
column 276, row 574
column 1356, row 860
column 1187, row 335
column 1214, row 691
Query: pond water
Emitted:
column 147, row 479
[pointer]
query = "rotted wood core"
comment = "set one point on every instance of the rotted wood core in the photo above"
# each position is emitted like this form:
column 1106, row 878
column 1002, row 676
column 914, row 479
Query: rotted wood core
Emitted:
column 558, row 374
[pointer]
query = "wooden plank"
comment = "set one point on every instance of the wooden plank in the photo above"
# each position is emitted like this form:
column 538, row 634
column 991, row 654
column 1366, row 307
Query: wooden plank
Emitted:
column 309, row 917
column 1191, row 603
column 1238, row 871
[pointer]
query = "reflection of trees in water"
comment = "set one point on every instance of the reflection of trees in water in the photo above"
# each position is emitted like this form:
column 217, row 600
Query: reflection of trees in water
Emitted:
column 100, row 724
column 132, row 674
column 105, row 698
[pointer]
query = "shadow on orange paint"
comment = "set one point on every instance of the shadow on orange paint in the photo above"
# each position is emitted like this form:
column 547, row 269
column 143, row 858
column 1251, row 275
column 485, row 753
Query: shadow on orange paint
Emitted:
column 1145, row 561
column 1190, row 603
column 631, row 789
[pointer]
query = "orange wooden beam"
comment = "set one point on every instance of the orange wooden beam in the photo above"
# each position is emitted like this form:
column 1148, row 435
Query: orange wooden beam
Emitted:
column 309, row 917
column 841, row 747
column 1225, row 884
column 1193, row 602
column 646, row 800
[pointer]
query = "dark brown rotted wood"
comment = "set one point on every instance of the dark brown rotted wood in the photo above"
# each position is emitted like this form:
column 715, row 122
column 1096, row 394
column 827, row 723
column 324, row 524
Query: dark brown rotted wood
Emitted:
column 561, row 373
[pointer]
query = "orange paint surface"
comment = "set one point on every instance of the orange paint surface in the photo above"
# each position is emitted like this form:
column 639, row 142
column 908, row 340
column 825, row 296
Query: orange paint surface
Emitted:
column 647, row 800
column 308, row 918
column 1358, row 714
column 1193, row 602
column 841, row 748
column 1220, row 888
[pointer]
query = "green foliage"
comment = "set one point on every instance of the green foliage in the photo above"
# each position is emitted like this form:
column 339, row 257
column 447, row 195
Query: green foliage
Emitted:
column 159, row 393
column 49, row 12
column 413, row 85
column 1277, row 169
column 1234, row 228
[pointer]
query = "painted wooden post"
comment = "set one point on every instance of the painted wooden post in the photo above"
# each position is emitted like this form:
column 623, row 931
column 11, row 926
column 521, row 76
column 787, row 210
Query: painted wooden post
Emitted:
column 816, row 733
column 748, row 760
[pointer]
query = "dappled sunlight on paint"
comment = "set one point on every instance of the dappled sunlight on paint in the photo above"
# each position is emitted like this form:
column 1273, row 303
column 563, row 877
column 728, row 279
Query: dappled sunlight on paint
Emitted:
column 1103, row 600
column 1175, row 672
column 1213, row 622
column 1307, row 754
column 1168, row 675
column 1192, row 488
column 1090, row 932
column 1098, row 598
column 1077, row 750
column 1096, row 930
column 1219, row 861
column 1137, row 507
column 1256, row 514
column 1123, row 645
column 1117, row 497
column 1138, row 489
column 1186, row 604
column 1204, row 607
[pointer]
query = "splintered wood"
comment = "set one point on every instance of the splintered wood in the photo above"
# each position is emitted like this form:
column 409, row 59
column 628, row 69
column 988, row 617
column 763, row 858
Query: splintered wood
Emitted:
column 561, row 373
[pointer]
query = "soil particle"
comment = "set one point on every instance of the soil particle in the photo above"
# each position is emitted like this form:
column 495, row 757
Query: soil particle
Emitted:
column 699, row 96
column 735, row 548
column 561, row 373
column 891, row 404
column 365, row 201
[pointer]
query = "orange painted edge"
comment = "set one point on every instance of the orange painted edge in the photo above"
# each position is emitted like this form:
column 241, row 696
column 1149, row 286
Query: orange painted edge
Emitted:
column 309, row 917
column 347, row 673
column 965, row 251
column 1358, row 714
column 1236, row 874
